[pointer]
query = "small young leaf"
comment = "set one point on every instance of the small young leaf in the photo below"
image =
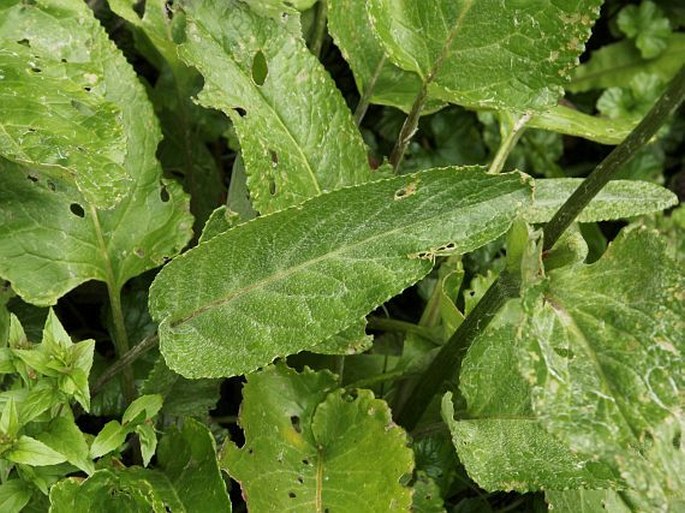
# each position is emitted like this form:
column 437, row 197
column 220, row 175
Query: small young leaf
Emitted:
column 63, row 436
column 321, row 266
column 323, row 442
column 187, row 456
column 148, row 441
column 29, row 451
column 294, row 146
column 145, row 407
column 512, row 56
column 9, row 419
column 109, row 439
column 647, row 25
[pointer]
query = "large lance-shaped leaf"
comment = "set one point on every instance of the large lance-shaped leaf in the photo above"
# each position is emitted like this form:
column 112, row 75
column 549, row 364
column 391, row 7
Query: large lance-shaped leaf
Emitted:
column 310, row 446
column 374, row 73
column 54, row 113
column 296, row 133
column 284, row 282
column 512, row 55
column 54, row 237
column 602, row 348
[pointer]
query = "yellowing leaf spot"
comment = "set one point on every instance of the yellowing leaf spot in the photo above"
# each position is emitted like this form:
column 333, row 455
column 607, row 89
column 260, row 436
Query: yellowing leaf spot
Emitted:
column 406, row 191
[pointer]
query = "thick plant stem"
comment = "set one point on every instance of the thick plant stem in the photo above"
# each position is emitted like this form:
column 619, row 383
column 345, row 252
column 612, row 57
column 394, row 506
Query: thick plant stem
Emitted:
column 669, row 101
column 319, row 28
column 121, row 343
column 448, row 361
column 508, row 143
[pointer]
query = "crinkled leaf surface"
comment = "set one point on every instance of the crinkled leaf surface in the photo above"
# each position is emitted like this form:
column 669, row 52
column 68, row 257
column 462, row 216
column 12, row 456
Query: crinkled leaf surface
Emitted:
column 310, row 446
column 284, row 282
column 350, row 27
column 54, row 238
column 617, row 200
column 500, row 441
column 602, row 349
column 187, row 457
column 585, row 501
column 55, row 114
column 296, row 133
column 513, row 55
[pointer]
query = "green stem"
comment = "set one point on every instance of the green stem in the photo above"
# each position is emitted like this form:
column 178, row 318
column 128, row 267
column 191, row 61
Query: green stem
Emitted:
column 121, row 343
column 508, row 142
column 384, row 324
column 124, row 362
column 319, row 28
column 409, row 127
column 365, row 99
column 448, row 360
column 669, row 101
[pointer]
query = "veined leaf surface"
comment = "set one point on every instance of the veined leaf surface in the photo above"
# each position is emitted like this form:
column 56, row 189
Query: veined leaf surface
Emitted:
column 602, row 348
column 350, row 27
column 309, row 446
column 284, row 282
column 57, row 113
column 511, row 55
column 54, row 238
column 296, row 133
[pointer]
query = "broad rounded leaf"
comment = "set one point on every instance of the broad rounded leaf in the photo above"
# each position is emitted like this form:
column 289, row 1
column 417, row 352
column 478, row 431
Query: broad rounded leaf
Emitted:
column 54, row 237
column 512, row 55
column 294, row 146
column 287, row 281
column 55, row 114
column 312, row 447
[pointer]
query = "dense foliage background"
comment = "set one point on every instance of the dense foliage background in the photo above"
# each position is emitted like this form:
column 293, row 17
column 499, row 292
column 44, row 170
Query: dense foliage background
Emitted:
column 134, row 131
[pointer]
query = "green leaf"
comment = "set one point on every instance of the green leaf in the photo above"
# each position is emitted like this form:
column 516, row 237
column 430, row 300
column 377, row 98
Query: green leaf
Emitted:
column 29, row 451
column 320, row 267
column 14, row 495
column 602, row 348
column 616, row 64
column 187, row 456
column 647, row 25
column 110, row 438
column 332, row 450
column 514, row 56
column 148, row 441
column 55, row 116
column 292, row 149
column 182, row 397
column 427, row 497
column 9, row 419
column 630, row 103
column 585, row 501
column 564, row 120
column 351, row 29
column 107, row 492
column 54, row 238
column 277, row 7
column 145, row 407
column 352, row 340
column 617, row 200
column 63, row 436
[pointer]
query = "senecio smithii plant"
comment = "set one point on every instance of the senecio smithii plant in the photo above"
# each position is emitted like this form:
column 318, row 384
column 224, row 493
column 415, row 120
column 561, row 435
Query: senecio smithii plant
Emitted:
column 342, row 256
